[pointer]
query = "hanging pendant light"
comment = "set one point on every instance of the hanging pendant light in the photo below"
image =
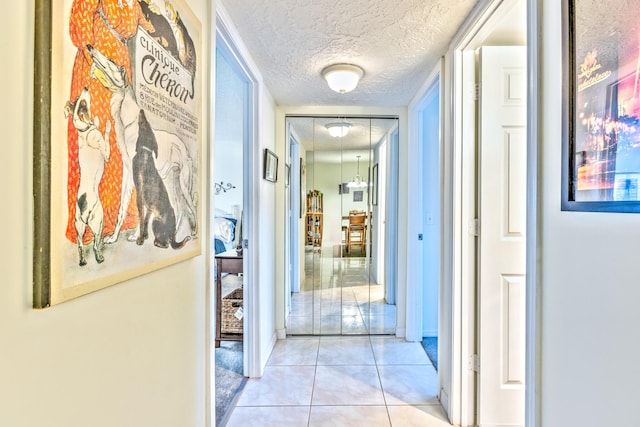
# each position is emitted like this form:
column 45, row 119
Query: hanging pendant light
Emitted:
column 357, row 181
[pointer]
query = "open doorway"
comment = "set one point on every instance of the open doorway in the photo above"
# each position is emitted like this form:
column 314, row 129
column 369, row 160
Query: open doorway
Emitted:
column 486, row 209
column 231, row 222
column 428, row 124
column 456, row 120
column 337, row 216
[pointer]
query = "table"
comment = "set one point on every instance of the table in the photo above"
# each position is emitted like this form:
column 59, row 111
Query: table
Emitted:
column 226, row 262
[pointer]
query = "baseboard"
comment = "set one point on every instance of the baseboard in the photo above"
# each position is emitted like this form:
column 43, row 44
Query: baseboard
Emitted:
column 281, row 334
column 444, row 401
column 269, row 349
column 401, row 332
column 430, row 333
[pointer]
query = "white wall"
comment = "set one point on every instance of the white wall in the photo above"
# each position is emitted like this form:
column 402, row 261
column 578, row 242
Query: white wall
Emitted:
column 130, row 355
column 230, row 130
column 229, row 170
column 589, row 283
column 267, row 231
column 231, row 96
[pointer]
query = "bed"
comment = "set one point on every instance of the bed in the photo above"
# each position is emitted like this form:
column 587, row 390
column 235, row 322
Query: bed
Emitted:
column 227, row 231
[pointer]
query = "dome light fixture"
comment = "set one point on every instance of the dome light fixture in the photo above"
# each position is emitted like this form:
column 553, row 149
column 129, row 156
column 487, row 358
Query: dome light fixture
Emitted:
column 342, row 78
column 338, row 129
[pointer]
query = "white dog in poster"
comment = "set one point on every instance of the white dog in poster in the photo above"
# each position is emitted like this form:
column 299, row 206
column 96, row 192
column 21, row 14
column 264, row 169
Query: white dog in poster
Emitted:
column 93, row 152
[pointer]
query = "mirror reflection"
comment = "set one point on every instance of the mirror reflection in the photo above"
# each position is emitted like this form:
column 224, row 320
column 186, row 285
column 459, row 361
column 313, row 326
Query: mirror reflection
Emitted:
column 338, row 210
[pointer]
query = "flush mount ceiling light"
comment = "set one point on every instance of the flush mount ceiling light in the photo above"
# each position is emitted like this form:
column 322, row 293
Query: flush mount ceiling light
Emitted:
column 342, row 78
column 338, row 129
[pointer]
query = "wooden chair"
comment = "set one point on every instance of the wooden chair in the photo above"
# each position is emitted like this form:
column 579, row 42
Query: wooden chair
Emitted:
column 344, row 232
column 357, row 230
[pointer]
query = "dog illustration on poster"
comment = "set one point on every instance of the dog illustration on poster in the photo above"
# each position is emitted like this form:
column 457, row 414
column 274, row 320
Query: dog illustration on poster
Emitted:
column 93, row 152
column 173, row 161
column 152, row 197
column 107, row 25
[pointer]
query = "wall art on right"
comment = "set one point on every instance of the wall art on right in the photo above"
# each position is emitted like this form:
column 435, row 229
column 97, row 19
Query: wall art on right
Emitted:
column 601, row 126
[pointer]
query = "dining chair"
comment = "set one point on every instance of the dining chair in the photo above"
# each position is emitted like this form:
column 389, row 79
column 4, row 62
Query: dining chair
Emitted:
column 357, row 230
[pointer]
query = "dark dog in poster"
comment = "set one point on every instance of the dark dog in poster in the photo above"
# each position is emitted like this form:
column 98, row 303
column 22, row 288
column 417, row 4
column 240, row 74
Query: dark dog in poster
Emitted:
column 93, row 151
column 186, row 47
column 151, row 194
column 162, row 33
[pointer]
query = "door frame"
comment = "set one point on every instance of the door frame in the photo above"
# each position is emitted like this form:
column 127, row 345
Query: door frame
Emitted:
column 533, row 338
column 432, row 89
column 251, row 338
column 390, row 257
column 415, row 270
column 292, row 222
column 460, row 212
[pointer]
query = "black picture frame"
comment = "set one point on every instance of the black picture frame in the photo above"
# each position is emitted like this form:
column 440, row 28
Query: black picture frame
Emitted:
column 601, row 126
column 270, row 166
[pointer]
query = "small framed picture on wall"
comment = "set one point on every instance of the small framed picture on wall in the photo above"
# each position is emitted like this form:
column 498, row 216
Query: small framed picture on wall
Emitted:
column 270, row 165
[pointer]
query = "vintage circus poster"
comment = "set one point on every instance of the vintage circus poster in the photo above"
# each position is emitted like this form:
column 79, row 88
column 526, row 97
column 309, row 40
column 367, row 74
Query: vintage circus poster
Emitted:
column 125, row 147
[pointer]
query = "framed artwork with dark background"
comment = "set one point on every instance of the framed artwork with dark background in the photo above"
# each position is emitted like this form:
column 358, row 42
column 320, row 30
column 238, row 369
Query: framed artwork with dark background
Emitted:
column 601, row 126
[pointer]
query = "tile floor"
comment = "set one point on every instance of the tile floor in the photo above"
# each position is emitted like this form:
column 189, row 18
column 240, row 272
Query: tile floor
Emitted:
column 342, row 381
column 337, row 298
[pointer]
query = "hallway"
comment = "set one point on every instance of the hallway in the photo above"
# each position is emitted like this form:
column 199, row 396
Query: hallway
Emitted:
column 343, row 381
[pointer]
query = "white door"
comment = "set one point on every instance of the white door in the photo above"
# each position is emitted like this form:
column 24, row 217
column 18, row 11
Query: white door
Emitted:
column 502, row 207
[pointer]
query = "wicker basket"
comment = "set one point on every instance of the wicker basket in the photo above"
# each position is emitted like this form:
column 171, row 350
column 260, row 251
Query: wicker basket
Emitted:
column 230, row 305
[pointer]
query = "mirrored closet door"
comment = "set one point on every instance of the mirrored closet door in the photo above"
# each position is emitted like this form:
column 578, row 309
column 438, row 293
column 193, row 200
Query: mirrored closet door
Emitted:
column 341, row 166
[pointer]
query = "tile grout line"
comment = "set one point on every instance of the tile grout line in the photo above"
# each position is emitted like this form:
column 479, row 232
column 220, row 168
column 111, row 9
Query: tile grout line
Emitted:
column 384, row 398
column 313, row 386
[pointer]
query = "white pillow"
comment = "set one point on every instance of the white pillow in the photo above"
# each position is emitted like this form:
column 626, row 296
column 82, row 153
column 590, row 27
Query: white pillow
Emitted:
column 224, row 229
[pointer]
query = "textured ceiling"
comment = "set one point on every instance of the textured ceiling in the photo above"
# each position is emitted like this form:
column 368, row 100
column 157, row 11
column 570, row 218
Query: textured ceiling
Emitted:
column 396, row 42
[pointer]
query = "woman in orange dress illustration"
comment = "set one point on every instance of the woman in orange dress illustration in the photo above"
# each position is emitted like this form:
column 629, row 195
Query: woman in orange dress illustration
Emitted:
column 106, row 25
